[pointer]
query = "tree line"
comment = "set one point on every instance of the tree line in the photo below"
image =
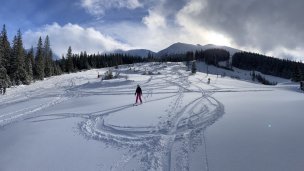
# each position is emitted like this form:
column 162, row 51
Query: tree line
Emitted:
column 269, row 65
column 210, row 56
column 83, row 61
column 20, row 66
column 243, row 60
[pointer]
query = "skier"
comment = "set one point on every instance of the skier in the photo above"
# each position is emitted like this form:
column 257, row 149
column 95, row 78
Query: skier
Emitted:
column 3, row 86
column 208, row 81
column 138, row 94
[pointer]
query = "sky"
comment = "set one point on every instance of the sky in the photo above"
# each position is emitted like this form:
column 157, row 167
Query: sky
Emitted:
column 271, row 27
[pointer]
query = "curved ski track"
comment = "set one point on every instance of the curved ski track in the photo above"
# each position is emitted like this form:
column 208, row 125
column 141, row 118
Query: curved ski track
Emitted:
column 181, row 132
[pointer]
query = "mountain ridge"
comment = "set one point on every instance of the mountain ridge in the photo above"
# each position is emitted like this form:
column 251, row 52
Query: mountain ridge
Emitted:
column 175, row 48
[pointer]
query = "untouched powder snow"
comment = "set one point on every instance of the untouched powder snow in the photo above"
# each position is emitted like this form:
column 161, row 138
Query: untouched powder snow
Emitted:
column 78, row 122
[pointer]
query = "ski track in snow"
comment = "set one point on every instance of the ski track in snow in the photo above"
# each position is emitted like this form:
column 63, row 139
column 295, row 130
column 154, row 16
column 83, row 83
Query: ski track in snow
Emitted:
column 153, row 146
column 171, row 144
column 57, row 93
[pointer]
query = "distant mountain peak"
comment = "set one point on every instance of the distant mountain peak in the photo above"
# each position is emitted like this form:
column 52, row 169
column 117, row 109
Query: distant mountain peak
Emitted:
column 175, row 48
column 134, row 52
column 178, row 48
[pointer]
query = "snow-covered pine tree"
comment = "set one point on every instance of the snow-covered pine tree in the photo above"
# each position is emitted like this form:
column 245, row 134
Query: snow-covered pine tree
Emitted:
column 39, row 62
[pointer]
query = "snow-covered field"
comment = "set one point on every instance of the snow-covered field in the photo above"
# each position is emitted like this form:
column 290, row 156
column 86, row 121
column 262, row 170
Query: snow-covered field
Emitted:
column 77, row 122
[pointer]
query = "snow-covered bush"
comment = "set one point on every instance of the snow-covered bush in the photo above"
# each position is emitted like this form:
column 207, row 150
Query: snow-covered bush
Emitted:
column 108, row 75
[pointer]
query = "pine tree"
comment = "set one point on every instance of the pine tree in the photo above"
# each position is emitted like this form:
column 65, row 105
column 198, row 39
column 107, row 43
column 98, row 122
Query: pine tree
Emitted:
column 297, row 74
column 69, row 62
column 193, row 68
column 253, row 76
column 57, row 68
column 188, row 65
column 29, row 63
column 13, row 62
column 189, row 57
column 62, row 64
column 39, row 62
column 18, row 72
column 47, row 53
column 84, row 64
column 4, row 78
column 5, row 49
column 85, row 60
column 1, row 54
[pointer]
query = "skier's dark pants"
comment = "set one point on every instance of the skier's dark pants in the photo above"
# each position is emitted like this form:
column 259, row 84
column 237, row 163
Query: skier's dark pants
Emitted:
column 138, row 96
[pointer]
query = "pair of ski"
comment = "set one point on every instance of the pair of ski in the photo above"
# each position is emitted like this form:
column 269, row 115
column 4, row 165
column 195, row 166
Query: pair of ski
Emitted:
column 136, row 104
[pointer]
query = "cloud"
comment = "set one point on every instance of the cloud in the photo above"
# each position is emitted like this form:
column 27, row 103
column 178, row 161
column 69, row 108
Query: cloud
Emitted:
column 79, row 38
column 161, row 28
column 291, row 54
column 164, row 25
column 166, row 22
column 272, row 25
column 98, row 7
column 154, row 20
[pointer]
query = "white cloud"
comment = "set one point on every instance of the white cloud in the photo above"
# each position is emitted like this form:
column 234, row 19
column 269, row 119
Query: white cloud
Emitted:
column 285, row 53
column 79, row 38
column 159, row 32
column 164, row 25
column 194, row 30
column 98, row 7
column 249, row 24
column 154, row 20
column 156, row 32
column 188, row 21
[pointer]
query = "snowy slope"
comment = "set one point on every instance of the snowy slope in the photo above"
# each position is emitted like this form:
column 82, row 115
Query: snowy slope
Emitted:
column 77, row 122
